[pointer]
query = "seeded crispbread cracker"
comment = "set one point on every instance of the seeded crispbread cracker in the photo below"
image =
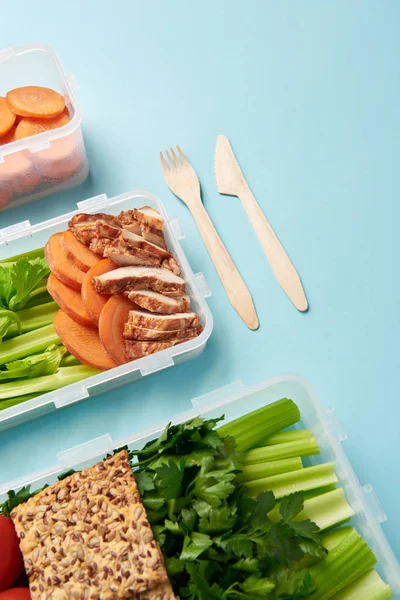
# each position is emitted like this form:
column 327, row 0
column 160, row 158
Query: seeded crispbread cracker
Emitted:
column 87, row 537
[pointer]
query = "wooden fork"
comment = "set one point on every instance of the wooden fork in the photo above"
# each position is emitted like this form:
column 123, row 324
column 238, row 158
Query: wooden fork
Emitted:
column 182, row 180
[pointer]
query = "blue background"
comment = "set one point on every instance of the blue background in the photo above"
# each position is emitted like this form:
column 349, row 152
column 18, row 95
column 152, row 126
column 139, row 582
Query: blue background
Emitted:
column 308, row 93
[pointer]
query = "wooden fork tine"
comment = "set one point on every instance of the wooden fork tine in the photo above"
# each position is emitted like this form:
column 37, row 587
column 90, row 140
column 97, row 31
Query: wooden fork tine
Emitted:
column 183, row 157
column 177, row 161
column 163, row 163
column 171, row 163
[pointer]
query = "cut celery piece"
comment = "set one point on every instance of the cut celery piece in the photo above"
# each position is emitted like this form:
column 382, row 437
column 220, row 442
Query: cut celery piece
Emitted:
column 27, row 344
column 348, row 561
column 328, row 510
column 39, row 253
column 296, row 481
column 283, row 437
column 332, row 539
column 254, row 427
column 369, row 587
column 14, row 401
column 33, row 318
column 319, row 491
column 47, row 383
column 304, row 447
column 274, row 467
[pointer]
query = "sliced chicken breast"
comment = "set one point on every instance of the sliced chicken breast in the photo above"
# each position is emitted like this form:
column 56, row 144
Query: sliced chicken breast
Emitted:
column 147, row 320
column 140, row 242
column 143, row 334
column 139, row 278
column 158, row 303
column 150, row 217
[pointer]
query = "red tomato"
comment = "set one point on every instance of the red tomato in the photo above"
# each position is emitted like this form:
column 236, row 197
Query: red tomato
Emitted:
column 11, row 563
column 16, row 594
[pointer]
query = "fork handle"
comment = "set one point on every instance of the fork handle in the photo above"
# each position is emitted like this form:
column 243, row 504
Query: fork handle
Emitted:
column 281, row 264
column 230, row 277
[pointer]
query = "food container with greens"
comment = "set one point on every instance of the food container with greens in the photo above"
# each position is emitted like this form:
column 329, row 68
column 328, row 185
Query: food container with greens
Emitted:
column 94, row 299
column 248, row 495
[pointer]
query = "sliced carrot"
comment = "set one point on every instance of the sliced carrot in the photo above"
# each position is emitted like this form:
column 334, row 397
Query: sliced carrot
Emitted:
column 62, row 160
column 95, row 302
column 59, row 264
column 9, row 136
column 28, row 127
column 77, row 252
column 5, row 198
column 7, row 117
column 82, row 342
column 111, row 326
column 35, row 101
column 17, row 174
column 69, row 300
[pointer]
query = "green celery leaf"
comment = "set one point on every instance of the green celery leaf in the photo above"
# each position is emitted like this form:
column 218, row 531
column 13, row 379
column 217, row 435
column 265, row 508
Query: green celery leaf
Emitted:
column 153, row 503
column 257, row 586
column 194, row 545
column 174, row 527
column 281, row 544
column 291, row 506
column 174, row 565
column 26, row 276
column 219, row 520
column 145, row 481
column 65, row 474
column 306, row 529
column 37, row 365
column 239, row 545
column 265, row 502
column 170, row 476
column 292, row 583
column 6, row 286
column 15, row 499
column 246, row 565
column 199, row 588
column 189, row 518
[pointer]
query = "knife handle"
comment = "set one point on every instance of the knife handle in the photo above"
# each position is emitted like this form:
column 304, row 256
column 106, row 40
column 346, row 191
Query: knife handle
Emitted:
column 281, row 264
column 230, row 277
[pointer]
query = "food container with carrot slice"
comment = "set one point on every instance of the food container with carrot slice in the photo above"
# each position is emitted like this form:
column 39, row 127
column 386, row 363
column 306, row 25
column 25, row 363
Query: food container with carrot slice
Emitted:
column 111, row 298
column 41, row 144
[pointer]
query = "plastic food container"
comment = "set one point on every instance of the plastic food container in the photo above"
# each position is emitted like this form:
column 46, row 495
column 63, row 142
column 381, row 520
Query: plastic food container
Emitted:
column 50, row 161
column 234, row 401
column 22, row 237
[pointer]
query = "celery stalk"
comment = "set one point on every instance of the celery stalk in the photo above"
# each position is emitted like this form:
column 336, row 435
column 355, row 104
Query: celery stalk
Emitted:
column 282, row 437
column 30, row 255
column 296, row 481
column 351, row 559
column 33, row 318
column 319, row 491
column 27, row 344
column 254, row 427
column 332, row 539
column 48, row 383
column 69, row 361
column 303, row 447
column 273, row 467
column 14, row 401
column 42, row 298
column 369, row 587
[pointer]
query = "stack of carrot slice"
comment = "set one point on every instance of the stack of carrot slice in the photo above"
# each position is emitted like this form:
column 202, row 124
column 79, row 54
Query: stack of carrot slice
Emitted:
column 89, row 324
column 24, row 112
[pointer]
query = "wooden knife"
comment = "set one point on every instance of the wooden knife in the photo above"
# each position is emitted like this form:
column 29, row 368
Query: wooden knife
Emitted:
column 231, row 181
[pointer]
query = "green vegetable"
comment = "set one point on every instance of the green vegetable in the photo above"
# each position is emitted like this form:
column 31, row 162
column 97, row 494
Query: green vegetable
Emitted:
column 17, row 400
column 327, row 510
column 8, row 318
column 307, row 479
column 30, row 255
column 283, row 437
column 351, row 559
column 27, row 344
column 33, row 318
column 369, row 587
column 64, row 376
column 37, row 365
column 69, row 361
column 267, row 469
column 253, row 428
column 22, row 281
column 303, row 447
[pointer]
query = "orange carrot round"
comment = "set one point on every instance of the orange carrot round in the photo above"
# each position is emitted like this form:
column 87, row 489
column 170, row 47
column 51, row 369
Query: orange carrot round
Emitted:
column 93, row 301
column 35, row 101
column 77, row 252
column 8, row 137
column 27, row 127
column 111, row 326
column 82, row 342
column 69, row 300
column 59, row 264
column 7, row 117
column 62, row 160
column 5, row 198
column 17, row 174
